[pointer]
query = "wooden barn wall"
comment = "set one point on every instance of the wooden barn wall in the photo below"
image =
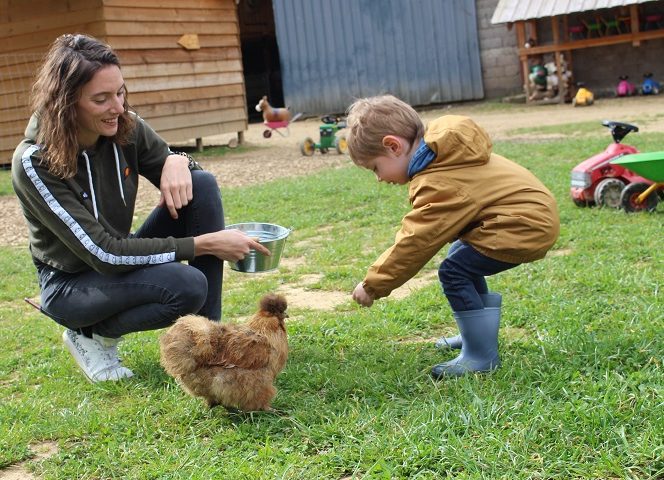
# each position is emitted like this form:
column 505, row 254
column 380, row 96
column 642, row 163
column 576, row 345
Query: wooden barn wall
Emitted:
column 183, row 94
column 26, row 30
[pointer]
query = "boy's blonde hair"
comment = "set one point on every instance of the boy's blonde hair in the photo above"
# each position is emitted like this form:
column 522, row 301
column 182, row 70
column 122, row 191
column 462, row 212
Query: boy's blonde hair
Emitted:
column 370, row 119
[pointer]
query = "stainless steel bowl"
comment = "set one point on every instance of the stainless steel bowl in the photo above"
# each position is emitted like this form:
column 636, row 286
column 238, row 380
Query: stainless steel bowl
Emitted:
column 269, row 235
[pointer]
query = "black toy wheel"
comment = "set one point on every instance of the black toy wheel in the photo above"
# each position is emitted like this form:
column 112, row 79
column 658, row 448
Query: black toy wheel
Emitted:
column 630, row 202
column 608, row 192
column 324, row 150
column 329, row 119
column 341, row 145
column 307, row 147
column 267, row 133
column 580, row 203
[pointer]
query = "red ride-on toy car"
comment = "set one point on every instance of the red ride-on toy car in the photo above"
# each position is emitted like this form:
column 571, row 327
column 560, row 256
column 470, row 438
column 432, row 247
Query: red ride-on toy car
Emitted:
column 597, row 181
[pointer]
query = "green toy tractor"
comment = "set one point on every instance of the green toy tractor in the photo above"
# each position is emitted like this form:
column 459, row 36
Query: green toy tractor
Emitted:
column 328, row 137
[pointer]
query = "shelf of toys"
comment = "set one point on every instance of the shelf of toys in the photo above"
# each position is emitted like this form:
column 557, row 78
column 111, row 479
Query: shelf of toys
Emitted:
column 552, row 81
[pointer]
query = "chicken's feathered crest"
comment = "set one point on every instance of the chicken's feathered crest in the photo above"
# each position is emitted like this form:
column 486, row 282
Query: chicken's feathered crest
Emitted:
column 274, row 305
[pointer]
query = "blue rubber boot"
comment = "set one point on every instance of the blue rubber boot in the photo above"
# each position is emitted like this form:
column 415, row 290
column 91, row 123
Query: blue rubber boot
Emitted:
column 479, row 350
column 490, row 300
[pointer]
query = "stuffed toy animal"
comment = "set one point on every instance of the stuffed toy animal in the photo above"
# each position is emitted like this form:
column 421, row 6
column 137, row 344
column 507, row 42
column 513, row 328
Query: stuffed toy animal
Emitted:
column 625, row 88
column 650, row 86
column 544, row 81
column 552, row 81
column 271, row 114
column 583, row 97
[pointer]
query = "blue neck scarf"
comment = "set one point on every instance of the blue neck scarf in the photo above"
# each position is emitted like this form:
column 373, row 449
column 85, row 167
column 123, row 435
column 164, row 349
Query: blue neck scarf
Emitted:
column 422, row 157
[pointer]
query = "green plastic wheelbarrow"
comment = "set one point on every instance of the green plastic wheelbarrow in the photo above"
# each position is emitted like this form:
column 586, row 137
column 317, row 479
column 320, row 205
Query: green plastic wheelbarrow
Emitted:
column 640, row 195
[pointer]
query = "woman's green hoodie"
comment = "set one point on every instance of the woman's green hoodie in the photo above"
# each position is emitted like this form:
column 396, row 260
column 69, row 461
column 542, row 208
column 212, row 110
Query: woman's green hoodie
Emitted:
column 84, row 222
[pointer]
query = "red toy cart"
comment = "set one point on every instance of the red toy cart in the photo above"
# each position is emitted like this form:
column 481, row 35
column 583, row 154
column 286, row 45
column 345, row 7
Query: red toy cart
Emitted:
column 280, row 127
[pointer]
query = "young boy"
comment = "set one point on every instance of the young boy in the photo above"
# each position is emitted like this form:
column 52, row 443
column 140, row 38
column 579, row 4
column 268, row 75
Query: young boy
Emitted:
column 496, row 214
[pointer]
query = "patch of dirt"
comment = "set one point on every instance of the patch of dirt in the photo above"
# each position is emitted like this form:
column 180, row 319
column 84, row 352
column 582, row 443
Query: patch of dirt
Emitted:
column 562, row 252
column 13, row 229
column 40, row 452
column 509, row 334
column 299, row 296
column 418, row 281
column 646, row 112
column 515, row 334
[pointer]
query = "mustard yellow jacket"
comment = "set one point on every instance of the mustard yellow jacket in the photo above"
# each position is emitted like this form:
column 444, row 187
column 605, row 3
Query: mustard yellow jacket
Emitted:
column 467, row 192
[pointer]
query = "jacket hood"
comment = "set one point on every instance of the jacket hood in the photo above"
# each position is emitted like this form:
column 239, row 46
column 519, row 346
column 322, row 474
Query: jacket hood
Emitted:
column 457, row 142
column 32, row 128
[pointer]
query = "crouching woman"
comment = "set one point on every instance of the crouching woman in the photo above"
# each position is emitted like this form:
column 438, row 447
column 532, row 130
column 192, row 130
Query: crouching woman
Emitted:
column 76, row 176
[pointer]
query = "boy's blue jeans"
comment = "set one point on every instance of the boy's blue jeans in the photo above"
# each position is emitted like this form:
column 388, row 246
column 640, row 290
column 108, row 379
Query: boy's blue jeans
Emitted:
column 150, row 297
column 462, row 276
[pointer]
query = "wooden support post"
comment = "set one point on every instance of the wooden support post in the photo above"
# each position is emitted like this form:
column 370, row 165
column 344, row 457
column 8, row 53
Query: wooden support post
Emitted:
column 240, row 138
column 532, row 33
column 559, row 74
column 520, row 34
column 634, row 22
column 199, row 144
column 555, row 27
column 520, row 41
column 568, row 57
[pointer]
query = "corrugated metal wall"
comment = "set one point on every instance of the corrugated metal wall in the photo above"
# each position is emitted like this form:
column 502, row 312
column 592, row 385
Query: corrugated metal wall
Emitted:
column 332, row 51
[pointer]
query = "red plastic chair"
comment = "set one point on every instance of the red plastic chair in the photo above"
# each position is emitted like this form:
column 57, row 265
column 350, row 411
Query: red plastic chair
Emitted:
column 576, row 32
column 652, row 22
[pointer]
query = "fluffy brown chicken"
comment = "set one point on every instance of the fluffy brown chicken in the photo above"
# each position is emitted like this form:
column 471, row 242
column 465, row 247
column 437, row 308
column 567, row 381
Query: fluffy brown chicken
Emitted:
column 229, row 364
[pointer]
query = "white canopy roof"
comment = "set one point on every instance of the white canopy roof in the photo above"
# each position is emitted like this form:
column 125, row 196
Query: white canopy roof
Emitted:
column 516, row 10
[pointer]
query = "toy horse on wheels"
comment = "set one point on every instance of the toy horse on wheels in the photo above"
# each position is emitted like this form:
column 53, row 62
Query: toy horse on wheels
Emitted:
column 274, row 119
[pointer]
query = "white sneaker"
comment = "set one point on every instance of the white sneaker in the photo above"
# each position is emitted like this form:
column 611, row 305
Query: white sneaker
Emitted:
column 97, row 356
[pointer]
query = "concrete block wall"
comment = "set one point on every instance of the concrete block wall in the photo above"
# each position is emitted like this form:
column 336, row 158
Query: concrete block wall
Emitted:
column 501, row 71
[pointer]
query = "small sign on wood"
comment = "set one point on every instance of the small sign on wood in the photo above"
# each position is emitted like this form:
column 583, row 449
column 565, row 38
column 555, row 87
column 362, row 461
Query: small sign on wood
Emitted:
column 189, row 41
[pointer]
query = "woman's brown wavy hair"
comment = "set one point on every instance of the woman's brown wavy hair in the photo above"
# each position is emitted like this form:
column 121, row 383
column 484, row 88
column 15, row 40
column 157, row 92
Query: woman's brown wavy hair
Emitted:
column 70, row 63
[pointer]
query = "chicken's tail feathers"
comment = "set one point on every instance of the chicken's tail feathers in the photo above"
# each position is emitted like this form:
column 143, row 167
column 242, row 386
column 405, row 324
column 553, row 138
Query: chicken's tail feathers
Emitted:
column 187, row 344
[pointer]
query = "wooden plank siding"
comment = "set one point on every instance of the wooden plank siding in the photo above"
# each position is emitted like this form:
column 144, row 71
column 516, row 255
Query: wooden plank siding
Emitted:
column 183, row 94
column 26, row 30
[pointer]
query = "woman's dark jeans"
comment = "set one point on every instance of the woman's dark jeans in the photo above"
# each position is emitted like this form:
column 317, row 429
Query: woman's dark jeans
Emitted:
column 462, row 276
column 150, row 297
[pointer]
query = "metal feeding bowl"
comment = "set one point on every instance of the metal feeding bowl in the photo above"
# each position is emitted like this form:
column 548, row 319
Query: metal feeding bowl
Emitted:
column 273, row 237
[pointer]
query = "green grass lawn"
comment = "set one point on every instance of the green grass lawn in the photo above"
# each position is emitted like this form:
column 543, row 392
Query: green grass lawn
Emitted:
column 579, row 394
column 6, row 182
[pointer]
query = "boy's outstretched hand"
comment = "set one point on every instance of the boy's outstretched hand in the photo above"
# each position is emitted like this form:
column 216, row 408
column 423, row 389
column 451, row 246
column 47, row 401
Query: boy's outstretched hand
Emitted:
column 361, row 296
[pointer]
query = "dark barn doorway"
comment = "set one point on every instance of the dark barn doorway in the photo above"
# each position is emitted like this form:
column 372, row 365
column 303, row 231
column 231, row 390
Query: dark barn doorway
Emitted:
column 260, row 55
